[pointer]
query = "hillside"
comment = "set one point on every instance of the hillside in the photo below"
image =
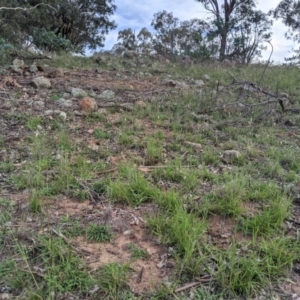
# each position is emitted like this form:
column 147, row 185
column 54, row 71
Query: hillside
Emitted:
column 146, row 179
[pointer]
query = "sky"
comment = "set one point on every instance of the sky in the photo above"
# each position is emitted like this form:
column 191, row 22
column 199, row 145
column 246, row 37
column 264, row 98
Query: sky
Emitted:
column 138, row 14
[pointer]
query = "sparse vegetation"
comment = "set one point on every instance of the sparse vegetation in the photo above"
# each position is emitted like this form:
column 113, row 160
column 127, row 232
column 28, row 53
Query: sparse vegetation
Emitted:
column 97, row 204
column 98, row 233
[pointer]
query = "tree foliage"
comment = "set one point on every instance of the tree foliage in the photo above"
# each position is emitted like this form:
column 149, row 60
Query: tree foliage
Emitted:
column 82, row 23
column 127, row 40
column 289, row 12
column 166, row 26
column 173, row 37
column 233, row 17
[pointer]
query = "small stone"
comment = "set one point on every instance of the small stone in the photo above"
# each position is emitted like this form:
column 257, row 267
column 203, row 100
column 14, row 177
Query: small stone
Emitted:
column 102, row 111
column 91, row 93
column 78, row 93
column 127, row 232
column 141, row 103
column 6, row 296
column 88, row 104
column 229, row 156
column 66, row 95
column 182, row 85
column 41, row 82
column 49, row 112
column 17, row 70
column 18, row 63
column 33, row 68
column 56, row 73
column 206, row 77
column 64, row 103
column 108, row 94
column 199, row 83
column 169, row 82
column 62, row 114
column 38, row 104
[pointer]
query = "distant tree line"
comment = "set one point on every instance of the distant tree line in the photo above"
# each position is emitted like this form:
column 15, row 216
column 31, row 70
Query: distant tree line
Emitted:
column 234, row 29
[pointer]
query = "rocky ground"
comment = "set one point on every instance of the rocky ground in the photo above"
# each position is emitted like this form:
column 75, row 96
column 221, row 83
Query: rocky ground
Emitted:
column 71, row 96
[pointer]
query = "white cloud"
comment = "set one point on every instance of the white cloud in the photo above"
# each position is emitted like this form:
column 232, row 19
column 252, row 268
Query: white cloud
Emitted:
column 138, row 14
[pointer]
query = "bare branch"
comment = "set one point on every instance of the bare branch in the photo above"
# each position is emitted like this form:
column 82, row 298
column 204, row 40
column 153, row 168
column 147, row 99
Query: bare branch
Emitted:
column 26, row 9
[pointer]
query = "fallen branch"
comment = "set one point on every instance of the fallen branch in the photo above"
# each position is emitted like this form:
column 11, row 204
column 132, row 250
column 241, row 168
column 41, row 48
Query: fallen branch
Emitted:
column 187, row 286
column 106, row 171
column 140, row 276
column 69, row 243
column 247, row 86
column 88, row 190
column 205, row 279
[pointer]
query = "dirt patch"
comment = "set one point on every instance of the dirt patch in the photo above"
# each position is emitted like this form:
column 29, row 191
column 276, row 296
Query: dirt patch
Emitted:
column 129, row 227
column 221, row 230
column 127, row 224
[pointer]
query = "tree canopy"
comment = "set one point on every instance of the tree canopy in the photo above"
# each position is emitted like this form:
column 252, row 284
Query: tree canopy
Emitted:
column 59, row 24
column 236, row 17
column 289, row 12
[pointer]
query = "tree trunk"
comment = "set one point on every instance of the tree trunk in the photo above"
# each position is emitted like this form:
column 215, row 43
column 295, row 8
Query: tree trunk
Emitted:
column 223, row 46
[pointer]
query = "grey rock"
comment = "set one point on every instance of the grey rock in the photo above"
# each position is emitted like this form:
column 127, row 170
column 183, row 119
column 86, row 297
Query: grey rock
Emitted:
column 229, row 156
column 18, row 63
column 206, row 77
column 199, row 83
column 6, row 296
column 38, row 104
column 91, row 93
column 182, row 85
column 17, row 70
column 78, row 93
column 50, row 112
column 33, row 68
column 175, row 83
column 41, row 82
column 64, row 103
column 66, row 95
column 248, row 87
column 108, row 94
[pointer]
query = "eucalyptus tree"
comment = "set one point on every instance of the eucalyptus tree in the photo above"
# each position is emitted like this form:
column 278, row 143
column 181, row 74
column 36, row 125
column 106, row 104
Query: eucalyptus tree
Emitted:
column 289, row 12
column 232, row 16
column 81, row 23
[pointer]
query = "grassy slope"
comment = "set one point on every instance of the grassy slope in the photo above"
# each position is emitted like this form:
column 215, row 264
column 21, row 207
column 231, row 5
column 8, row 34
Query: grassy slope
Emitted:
column 198, row 189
